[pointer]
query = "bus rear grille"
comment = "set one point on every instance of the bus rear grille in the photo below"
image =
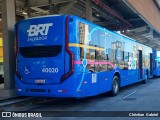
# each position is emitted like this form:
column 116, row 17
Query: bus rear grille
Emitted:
column 37, row 90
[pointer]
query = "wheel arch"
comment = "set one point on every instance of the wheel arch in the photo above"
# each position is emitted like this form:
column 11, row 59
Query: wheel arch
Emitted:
column 118, row 75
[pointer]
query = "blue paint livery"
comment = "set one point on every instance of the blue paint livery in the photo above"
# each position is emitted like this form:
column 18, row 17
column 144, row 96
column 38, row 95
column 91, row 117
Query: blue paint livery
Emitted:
column 81, row 83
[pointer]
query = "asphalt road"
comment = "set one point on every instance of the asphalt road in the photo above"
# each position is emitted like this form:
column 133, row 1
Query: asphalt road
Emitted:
column 137, row 97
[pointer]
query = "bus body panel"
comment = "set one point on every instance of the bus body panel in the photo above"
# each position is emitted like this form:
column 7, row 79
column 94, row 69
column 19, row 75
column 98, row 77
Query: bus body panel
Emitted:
column 156, row 63
column 99, row 54
column 41, row 53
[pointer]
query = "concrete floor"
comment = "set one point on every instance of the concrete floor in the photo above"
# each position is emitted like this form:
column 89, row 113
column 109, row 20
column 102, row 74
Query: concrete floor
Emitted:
column 2, row 86
column 137, row 97
column 6, row 93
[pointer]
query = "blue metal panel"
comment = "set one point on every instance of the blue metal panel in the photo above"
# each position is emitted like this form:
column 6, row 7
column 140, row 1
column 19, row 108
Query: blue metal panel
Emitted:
column 156, row 63
column 129, row 77
column 52, row 34
column 83, row 82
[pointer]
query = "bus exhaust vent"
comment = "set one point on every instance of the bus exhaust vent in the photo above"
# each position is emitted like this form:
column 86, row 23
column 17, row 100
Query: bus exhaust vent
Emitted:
column 37, row 90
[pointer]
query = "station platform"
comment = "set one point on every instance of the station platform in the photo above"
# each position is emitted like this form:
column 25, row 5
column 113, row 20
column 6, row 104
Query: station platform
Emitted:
column 1, row 86
column 6, row 93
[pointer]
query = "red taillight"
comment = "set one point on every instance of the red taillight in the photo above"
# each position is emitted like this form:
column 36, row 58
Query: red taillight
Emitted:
column 16, row 53
column 18, row 89
column 18, row 75
column 70, row 54
column 62, row 90
column 16, row 45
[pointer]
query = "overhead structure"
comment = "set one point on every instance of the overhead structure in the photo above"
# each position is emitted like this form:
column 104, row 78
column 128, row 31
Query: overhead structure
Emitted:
column 126, row 16
column 116, row 15
column 148, row 11
column 151, row 17
column 8, row 8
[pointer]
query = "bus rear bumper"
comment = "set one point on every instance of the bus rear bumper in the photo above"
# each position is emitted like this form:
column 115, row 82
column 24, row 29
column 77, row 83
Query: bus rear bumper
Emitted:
column 52, row 90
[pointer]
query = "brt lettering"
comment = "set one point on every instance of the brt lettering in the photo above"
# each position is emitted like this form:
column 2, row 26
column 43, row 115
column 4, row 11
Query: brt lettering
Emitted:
column 41, row 29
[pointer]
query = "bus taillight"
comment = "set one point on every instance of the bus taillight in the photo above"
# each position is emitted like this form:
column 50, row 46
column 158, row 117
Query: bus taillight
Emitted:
column 71, row 71
column 16, row 45
column 16, row 53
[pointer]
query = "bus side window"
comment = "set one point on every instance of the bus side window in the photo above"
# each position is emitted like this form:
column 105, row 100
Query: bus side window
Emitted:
column 91, row 58
column 126, row 59
column 110, row 55
column 121, row 62
column 81, row 54
column 97, row 55
column 93, row 37
column 144, row 60
column 82, row 30
column 130, row 64
column 110, row 58
column 107, row 57
column 123, row 55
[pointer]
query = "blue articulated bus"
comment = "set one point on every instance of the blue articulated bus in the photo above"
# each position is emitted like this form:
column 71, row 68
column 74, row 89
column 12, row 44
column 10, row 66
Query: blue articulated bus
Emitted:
column 156, row 63
column 67, row 56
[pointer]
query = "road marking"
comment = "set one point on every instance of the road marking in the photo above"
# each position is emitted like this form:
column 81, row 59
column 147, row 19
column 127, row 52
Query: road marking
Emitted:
column 129, row 94
column 151, row 84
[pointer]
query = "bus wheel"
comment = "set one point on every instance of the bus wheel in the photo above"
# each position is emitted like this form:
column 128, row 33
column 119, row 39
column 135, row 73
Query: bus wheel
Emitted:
column 1, row 79
column 115, row 86
column 146, row 79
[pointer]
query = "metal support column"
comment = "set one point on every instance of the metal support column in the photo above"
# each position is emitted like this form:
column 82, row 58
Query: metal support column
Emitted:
column 50, row 7
column 66, row 8
column 28, row 9
column 8, row 21
column 89, row 10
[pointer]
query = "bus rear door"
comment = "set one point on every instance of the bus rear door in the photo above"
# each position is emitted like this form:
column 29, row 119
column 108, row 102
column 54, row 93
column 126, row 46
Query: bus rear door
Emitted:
column 140, row 64
column 151, row 64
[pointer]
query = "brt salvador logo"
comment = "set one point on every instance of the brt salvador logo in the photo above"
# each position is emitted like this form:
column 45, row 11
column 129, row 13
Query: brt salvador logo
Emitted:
column 41, row 29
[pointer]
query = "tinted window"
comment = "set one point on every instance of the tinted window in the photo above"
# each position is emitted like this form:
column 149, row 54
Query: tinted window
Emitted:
column 40, row 51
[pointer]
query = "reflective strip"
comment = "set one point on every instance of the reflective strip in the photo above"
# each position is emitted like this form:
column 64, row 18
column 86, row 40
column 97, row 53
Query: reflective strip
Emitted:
column 88, row 47
column 18, row 89
column 62, row 90
column 85, row 82
column 94, row 62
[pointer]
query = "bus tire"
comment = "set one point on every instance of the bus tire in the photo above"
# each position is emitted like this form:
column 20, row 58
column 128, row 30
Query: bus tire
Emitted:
column 146, row 78
column 115, row 86
column 1, row 79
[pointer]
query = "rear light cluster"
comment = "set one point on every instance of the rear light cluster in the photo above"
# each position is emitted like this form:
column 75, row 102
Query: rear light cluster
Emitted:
column 16, row 44
column 70, row 54
column 18, row 89
column 62, row 90
column 16, row 54
column 18, row 75
column 85, row 82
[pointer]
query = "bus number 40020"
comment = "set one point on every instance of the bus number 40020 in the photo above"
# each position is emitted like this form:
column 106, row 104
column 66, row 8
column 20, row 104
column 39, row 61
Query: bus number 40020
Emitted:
column 50, row 70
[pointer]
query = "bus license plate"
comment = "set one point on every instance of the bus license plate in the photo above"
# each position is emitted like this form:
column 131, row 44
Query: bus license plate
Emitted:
column 40, row 81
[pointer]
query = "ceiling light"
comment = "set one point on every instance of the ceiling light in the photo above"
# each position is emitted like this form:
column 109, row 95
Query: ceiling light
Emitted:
column 97, row 15
column 24, row 13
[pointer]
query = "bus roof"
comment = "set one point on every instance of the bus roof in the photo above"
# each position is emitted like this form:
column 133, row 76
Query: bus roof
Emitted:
column 111, row 32
column 46, row 16
column 92, row 24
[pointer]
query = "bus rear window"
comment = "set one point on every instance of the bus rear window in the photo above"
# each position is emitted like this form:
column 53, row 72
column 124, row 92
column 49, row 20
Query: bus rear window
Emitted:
column 40, row 51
